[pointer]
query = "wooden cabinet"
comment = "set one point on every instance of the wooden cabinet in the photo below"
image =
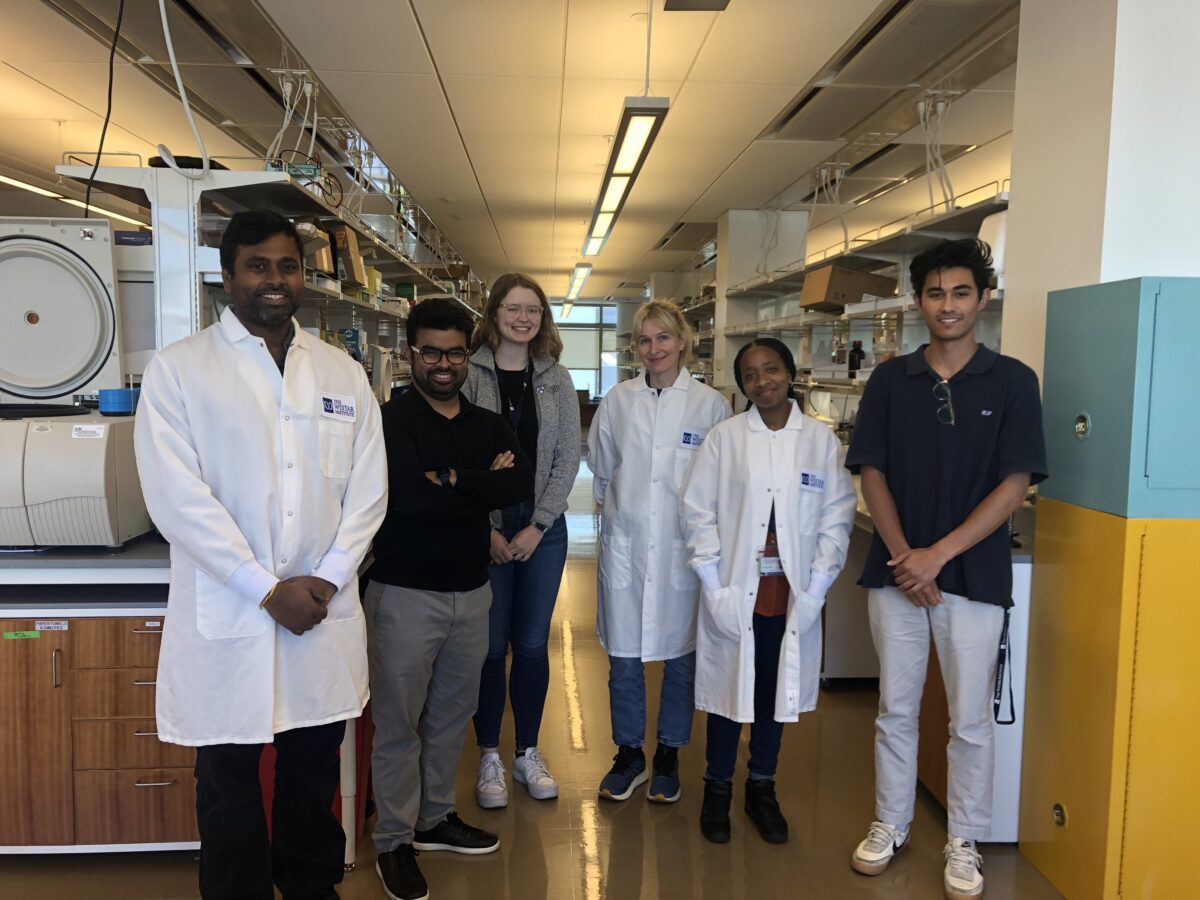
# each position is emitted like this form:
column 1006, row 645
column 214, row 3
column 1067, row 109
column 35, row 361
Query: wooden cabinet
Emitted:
column 79, row 747
column 35, row 736
column 129, row 786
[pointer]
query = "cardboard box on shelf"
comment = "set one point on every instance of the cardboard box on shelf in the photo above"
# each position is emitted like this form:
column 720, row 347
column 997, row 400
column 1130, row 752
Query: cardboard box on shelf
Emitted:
column 830, row 288
column 349, row 257
column 374, row 281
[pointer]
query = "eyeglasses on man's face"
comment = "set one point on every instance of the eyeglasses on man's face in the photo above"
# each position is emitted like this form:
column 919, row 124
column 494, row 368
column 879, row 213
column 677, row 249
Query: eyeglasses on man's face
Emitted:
column 945, row 412
column 431, row 356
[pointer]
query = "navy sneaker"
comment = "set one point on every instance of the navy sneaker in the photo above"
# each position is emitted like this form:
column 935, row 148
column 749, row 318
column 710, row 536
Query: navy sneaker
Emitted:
column 664, row 785
column 628, row 771
column 455, row 835
column 400, row 874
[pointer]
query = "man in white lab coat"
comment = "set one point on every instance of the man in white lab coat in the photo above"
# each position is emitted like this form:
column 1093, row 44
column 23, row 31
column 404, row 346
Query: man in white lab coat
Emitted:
column 262, row 461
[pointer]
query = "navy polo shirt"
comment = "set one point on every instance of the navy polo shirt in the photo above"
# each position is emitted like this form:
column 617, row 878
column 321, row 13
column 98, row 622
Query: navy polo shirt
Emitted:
column 939, row 473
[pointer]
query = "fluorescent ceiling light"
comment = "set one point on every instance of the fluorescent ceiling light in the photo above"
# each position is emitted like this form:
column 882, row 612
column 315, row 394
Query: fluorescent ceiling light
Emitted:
column 641, row 120
column 578, row 277
column 29, row 187
column 102, row 211
column 566, row 309
column 59, row 197
column 615, row 194
column 637, row 135
column 602, row 225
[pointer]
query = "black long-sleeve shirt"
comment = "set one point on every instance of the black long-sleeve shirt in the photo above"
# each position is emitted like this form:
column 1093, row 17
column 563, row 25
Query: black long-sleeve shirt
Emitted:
column 437, row 538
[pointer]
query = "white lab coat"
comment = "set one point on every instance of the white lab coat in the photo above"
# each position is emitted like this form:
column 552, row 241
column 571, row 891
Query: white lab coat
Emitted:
column 640, row 446
column 253, row 477
column 741, row 471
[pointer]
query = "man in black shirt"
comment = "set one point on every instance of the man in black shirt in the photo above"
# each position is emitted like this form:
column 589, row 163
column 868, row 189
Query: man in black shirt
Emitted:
column 947, row 442
column 450, row 464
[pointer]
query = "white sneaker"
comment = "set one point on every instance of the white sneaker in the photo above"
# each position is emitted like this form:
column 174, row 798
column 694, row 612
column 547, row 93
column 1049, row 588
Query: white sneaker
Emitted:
column 530, row 770
column 490, row 790
column 883, row 841
column 964, row 870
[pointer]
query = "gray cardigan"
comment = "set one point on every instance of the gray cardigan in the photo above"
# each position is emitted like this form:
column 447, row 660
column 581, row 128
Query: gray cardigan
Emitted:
column 559, row 443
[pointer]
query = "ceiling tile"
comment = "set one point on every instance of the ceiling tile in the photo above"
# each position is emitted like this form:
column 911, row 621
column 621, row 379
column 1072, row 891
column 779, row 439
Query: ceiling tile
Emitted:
column 494, row 37
column 369, row 37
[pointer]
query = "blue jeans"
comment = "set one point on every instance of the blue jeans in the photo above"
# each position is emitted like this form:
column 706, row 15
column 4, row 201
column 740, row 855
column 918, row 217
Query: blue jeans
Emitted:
column 627, row 699
column 766, row 735
column 523, row 595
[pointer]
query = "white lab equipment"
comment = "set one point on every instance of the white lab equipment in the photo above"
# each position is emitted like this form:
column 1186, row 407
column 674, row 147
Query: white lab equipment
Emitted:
column 59, row 332
column 69, row 481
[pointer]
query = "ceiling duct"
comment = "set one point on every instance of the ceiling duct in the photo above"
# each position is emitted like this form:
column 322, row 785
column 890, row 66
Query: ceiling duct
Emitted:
column 686, row 236
column 872, row 84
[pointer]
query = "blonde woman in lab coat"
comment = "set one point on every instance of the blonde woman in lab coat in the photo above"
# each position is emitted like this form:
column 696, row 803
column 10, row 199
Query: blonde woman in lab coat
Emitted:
column 640, row 446
column 767, row 510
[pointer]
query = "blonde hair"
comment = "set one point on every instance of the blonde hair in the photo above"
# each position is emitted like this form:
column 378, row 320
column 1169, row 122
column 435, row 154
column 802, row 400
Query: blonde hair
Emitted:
column 546, row 343
column 668, row 317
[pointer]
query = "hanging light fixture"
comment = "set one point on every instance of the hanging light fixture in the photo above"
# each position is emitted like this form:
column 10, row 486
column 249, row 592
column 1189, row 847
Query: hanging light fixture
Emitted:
column 641, row 119
column 578, row 277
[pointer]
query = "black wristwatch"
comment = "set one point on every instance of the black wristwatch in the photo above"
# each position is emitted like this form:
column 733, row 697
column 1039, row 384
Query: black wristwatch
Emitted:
column 540, row 527
column 443, row 476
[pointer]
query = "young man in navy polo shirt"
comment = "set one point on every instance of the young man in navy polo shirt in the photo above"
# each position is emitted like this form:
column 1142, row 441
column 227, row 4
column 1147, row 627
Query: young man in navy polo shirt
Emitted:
column 948, row 440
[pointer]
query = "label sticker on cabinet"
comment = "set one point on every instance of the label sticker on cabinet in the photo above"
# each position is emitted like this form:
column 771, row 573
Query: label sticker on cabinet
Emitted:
column 56, row 625
column 90, row 432
column 21, row 635
column 154, row 624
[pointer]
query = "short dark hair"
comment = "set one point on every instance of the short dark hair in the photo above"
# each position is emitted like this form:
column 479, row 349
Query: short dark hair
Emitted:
column 245, row 229
column 789, row 361
column 439, row 314
column 968, row 253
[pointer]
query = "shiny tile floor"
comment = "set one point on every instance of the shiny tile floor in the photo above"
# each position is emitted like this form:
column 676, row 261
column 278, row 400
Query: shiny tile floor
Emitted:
column 579, row 847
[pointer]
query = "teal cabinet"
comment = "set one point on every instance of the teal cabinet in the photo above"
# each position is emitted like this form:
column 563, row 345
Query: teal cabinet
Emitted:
column 1121, row 407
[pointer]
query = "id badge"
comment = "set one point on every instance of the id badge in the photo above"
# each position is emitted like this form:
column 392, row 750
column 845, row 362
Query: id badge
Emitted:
column 769, row 565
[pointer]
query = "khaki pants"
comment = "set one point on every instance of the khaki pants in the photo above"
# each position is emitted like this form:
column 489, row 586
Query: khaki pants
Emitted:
column 967, row 637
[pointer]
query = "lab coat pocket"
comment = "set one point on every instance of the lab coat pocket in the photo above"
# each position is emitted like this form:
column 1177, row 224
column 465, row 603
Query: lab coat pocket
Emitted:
column 683, row 462
column 806, row 613
column 336, row 448
column 722, row 612
column 222, row 613
column 616, row 562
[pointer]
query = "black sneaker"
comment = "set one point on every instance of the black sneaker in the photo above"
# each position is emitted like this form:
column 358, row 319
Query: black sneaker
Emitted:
column 664, row 783
column 763, row 810
column 401, row 878
column 714, row 811
column 627, row 772
column 455, row 835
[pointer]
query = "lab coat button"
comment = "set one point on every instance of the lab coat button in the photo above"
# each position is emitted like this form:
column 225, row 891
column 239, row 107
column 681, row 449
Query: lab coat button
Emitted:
column 287, row 418
column 284, row 561
column 289, row 513
column 290, row 466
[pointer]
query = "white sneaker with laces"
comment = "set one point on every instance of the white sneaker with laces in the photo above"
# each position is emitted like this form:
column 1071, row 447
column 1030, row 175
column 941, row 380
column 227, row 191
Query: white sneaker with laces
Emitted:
column 490, row 790
column 964, row 870
column 530, row 770
column 883, row 841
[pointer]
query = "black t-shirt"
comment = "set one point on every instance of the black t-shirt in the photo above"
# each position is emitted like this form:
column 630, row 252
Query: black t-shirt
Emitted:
column 519, row 408
column 939, row 473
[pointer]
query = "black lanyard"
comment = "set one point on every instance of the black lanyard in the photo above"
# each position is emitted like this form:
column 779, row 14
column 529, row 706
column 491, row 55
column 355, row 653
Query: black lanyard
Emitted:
column 1001, row 667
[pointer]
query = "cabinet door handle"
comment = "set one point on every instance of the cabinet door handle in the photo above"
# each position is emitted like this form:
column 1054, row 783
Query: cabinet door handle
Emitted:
column 145, row 734
column 147, row 631
column 54, row 679
column 154, row 783
column 144, row 683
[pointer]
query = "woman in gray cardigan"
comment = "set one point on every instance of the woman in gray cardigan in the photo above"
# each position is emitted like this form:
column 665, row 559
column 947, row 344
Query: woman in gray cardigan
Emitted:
column 514, row 371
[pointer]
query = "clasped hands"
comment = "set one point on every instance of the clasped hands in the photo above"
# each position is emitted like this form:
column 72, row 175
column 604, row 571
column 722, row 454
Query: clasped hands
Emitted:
column 915, row 573
column 301, row 603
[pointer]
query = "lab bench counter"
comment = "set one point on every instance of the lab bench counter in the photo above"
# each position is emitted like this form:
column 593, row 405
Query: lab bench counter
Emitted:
column 146, row 561
column 85, row 771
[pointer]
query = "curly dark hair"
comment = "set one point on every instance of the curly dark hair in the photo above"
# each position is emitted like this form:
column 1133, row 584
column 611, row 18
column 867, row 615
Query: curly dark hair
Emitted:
column 968, row 253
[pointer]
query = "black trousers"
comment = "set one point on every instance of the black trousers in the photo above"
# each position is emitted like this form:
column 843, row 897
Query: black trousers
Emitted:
column 305, row 853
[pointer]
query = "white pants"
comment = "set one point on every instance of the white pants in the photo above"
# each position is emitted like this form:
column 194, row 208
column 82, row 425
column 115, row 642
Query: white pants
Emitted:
column 967, row 636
